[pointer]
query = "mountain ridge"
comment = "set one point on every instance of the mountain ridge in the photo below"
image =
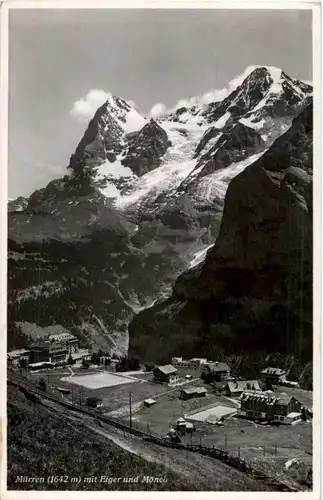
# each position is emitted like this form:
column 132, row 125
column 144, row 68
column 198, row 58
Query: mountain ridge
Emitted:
column 153, row 189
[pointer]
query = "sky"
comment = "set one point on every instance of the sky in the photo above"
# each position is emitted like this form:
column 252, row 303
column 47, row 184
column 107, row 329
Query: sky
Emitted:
column 62, row 62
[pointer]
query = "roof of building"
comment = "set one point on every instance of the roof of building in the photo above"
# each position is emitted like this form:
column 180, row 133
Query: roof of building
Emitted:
column 40, row 363
column 272, row 398
column 242, row 385
column 283, row 398
column 59, row 337
column 273, row 371
column 218, row 366
column 201, row 389
column 180, row 420
column 194, row 390
column 176, row 359
column 150, row 401
column 39, row 345
column 17, row 353
column 167, row 369
column 256, row 395
column 294, row 414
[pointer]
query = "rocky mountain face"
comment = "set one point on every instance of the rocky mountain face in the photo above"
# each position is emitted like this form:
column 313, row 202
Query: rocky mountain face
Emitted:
column 17, row 205
column 254, row 289
column 141, row 202
column 71, row 263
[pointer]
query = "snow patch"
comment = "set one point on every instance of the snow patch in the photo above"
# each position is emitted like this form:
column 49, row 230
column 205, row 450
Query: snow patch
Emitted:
column 223, row 120
column 115, row 169
column 255, row 125
column 199, row 256
column 134, row 121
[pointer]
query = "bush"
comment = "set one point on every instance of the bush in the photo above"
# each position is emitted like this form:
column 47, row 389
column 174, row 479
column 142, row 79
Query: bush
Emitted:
column 23, row 362
column 127, row 364
column 93, row 401
column 42, row 384
column 149, row 367
column 70, row 360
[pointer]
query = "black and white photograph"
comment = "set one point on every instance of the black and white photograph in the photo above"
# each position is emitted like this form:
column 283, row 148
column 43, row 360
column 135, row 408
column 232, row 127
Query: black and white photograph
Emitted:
column 161, row 182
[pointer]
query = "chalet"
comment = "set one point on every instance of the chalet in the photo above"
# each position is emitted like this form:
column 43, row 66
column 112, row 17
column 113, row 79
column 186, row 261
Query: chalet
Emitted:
column 166, row 373
column 280, row 408
column 236, row 388
column 273, row 375
column 193, row 392
column 217, row 369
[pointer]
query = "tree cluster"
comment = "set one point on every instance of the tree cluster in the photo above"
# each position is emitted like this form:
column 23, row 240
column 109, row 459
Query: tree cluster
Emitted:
column 127, row 364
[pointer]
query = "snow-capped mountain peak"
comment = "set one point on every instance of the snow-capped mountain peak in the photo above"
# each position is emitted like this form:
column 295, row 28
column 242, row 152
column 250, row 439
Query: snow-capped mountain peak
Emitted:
column 136, row 160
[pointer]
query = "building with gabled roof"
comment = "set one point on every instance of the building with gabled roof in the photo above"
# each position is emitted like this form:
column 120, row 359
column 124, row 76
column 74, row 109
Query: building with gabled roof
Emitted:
column 236, row 388
column 215, row 368
column 166, row 373
column 193, row 392
column 273, row 375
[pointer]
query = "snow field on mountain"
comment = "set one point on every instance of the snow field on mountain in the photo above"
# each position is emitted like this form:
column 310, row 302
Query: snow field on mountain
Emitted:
column 164, row 178
column 215, row 185
column 177, row 164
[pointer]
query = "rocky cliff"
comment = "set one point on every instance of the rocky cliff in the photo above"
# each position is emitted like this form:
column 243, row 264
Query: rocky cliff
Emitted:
column 254, row 290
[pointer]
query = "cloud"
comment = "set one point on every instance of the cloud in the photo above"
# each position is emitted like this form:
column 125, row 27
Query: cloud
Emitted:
column 158, row 110
column 84, row 109
column 132, row 103
column 214, row 95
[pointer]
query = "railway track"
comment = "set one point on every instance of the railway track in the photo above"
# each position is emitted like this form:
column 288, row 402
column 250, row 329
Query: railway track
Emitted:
column 29, row 388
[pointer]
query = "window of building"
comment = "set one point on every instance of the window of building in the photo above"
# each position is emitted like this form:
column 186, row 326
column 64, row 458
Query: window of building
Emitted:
column 281, row 418
column 276, row 417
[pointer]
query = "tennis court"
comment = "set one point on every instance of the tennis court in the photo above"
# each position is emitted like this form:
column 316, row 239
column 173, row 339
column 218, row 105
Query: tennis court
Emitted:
column 99, row 380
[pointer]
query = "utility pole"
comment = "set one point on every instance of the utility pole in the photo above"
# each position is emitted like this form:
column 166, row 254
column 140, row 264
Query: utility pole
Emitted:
column 130, row 414
column 264, row 451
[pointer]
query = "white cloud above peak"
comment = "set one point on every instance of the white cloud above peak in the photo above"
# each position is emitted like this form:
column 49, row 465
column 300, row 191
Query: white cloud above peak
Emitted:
column 84, row 109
